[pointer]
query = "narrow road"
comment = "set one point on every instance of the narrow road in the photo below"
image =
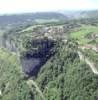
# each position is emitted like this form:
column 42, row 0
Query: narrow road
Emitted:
column 88, row 62
column 32, row 84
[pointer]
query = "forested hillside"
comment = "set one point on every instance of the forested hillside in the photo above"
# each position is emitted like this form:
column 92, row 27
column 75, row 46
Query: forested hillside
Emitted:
column 65, row 77
column 29, row 18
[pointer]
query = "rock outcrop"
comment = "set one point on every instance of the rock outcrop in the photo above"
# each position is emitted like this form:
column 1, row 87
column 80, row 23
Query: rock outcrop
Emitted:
column 40, row 50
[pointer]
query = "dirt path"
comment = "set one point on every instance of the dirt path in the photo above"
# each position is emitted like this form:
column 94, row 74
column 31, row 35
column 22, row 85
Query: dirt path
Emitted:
column 88, row 62
column 32, row 84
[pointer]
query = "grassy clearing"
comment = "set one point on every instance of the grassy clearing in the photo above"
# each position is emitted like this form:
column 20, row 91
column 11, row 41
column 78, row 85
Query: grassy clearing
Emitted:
column 82, row 32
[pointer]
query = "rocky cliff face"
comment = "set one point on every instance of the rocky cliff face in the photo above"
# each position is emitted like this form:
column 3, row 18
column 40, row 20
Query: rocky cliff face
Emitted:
column 8, row 43
column 41, row 50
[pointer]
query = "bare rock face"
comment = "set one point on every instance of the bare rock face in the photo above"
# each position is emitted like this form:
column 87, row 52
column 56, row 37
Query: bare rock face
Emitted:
column 0, row 93
column 38, row 52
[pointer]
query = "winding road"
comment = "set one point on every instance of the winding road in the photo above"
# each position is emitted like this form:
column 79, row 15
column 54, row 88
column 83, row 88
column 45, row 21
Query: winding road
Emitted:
column 88, row 62
column 32, row 84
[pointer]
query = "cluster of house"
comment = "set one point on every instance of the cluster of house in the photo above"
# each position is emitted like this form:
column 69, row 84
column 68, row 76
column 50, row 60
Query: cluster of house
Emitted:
column 51, row 31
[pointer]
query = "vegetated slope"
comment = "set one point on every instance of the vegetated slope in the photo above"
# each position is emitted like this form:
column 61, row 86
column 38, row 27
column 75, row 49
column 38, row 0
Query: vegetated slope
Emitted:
column 65, row 77
column 12, row 85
